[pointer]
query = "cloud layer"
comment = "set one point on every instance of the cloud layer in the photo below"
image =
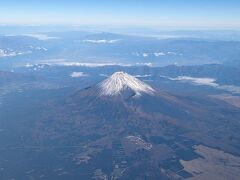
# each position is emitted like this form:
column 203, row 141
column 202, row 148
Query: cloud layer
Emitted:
column 78, row 74
column 207, row 82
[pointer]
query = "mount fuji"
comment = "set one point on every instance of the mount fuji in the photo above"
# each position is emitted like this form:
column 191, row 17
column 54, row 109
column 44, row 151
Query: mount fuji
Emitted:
column 122, row 95
column 120, row 82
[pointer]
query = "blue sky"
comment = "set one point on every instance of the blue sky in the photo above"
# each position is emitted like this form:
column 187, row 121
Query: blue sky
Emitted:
column 157, row 13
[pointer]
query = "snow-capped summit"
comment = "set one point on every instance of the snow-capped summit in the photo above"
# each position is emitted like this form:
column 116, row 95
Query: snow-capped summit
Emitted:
column 118, row 82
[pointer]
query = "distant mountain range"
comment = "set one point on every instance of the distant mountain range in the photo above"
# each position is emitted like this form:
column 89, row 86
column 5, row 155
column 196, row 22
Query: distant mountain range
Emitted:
column 115, row 48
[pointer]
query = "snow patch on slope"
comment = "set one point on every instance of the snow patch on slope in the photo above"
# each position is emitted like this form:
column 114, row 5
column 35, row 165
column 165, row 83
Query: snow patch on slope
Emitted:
column 120, row 81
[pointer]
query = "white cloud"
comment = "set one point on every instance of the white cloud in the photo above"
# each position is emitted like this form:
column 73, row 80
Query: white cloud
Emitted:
column 197, row 81
column 78, row 74
column 7, row 53
column 104, row 75
column 11, row 53
column 62, row 62
column 157, row 54
column 207, row 82
column 90, row 64
column 28, row 65
column 136, row 54
column 42, row 37
column 171, row 53
column 145, row 75
column 39, row 48
column 230, row 88
column 144, row 64
column 101, row 41
column 145, row 54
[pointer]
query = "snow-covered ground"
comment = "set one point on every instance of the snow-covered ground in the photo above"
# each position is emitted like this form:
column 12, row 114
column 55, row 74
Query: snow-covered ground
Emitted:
column 121, row 81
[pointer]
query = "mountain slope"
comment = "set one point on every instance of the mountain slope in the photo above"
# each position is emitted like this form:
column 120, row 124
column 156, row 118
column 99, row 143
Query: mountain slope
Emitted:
column 149, row 133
